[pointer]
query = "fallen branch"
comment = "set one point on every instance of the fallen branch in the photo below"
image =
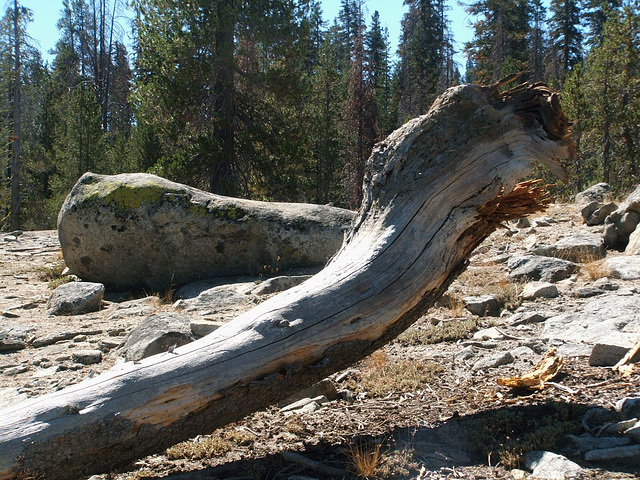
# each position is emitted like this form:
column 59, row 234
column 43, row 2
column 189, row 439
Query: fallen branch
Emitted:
column 421, row 217
column 546, row 369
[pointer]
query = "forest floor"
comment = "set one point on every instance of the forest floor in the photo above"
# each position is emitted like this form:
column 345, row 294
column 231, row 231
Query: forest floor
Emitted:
column 415, row 409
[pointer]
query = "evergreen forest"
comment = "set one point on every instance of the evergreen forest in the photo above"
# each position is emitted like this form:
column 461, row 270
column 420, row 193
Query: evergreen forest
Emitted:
column 267, row 99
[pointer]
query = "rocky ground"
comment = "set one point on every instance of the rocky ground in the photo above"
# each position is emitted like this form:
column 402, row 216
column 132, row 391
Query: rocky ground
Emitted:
column 427, row 406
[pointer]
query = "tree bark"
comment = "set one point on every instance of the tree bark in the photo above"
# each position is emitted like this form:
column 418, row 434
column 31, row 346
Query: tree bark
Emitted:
column 434, row 190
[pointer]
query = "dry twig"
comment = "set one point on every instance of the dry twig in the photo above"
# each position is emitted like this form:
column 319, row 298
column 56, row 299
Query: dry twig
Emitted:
column 545, row 370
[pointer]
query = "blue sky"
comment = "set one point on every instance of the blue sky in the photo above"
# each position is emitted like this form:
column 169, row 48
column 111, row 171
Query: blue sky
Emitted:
column 46, row 14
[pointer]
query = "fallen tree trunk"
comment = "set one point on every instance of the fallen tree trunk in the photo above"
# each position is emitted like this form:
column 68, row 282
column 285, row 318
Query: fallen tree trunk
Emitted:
column 434, row 190
column 140, row 230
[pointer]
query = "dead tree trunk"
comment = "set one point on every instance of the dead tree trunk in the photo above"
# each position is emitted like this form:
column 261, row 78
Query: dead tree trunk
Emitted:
column 434, row 190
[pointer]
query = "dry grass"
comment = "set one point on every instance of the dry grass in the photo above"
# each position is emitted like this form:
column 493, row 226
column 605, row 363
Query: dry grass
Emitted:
column 440, row 331
column 381, row 376
column 593, row 267
column 364, row 459
column 53, row 274
column 202, row 447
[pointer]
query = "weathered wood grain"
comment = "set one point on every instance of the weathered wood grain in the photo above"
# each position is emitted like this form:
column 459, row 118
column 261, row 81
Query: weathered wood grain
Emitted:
column 434, row 190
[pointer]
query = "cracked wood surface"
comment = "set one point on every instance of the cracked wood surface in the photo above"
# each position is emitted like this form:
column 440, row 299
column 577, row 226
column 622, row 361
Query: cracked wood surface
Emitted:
column 425, row 187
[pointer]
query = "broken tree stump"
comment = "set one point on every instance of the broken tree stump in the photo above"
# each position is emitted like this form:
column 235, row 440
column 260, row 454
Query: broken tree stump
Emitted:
column 434, row 190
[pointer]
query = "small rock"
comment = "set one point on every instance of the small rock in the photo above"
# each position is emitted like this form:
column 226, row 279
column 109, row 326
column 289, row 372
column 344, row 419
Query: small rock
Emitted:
column 201, row 328
column 551, row 466
column 483, row 305
column 300, row 404
column 105, row 345
column 493, row 361
column 606, row 284
column 492, row 333
column 523, row 223
column 625, row 267
column 525, row 318
column 595, row 213
column 534, row 267
column 629, row 407
column 157, row 334
column 76, row 298
column 587, row 442
column 626, row 454
column 9, row 372
column 46, row 372
column 15, row 337
column 587, row 292
column 80, row 338
column 611, row 349
column 87, row 357
column 518, row 474
column 595, row 193
column 534, row 290
column 464, row 354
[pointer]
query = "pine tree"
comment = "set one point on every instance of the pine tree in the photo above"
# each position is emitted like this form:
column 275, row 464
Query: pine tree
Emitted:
column 565, row 35
column 499, row 46
column 425, row 57
column 377, row 56
column 595, row 14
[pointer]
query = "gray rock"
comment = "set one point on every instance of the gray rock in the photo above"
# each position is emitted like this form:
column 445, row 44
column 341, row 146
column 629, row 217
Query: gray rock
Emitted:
column 523, row 223
column 201, row 328
column 465, row 354
column 623, row 267
column 156, row 334
column 551, row 466
column 619, row 427
column 606, row 284
column 587, row 442
column 11, row 371
column 629, row 407
column 483, row 305
column 633, row 247
column 534, row 290
column 588, row 292
column 76, row 298
column 15, row 337
column 86, row 357
column 142, row 230
column 595, row 193
column 279, row 284
column 595, row 213
column 306, row 404
column 220, row 298
column 493, row 361
column 627, row 454
column 526, row 318
column 611, row 349
column 534, row 267
column 596, row 320
column 492, row 333
column 575, row 248
column 621, row 223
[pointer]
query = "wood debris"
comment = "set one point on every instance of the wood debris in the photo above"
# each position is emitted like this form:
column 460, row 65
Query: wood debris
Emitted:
column 625, row 366
column 544, row 371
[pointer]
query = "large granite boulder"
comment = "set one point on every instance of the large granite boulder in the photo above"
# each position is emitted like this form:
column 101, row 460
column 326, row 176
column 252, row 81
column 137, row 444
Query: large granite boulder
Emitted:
column 142, row 230
column 595, row 193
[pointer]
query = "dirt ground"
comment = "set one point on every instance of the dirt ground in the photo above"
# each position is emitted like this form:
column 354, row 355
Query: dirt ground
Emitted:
column 413, row 410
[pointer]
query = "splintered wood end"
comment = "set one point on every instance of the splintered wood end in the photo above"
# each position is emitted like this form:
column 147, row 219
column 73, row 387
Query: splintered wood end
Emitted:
column 525, row 199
